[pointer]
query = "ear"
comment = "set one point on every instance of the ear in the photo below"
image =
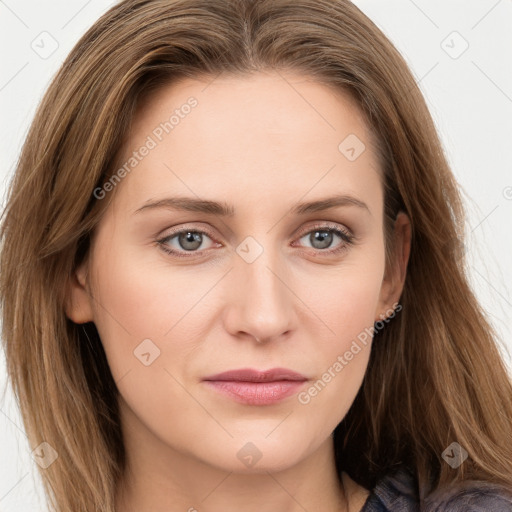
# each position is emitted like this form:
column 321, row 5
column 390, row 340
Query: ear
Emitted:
column 78, row 298
column 394, row 278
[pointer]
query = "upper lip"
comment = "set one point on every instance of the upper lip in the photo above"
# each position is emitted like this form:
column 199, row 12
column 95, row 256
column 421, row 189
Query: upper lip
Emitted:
column 250, row 375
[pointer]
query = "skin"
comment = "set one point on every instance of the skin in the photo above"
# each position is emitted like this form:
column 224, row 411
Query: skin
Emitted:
column 260, row 143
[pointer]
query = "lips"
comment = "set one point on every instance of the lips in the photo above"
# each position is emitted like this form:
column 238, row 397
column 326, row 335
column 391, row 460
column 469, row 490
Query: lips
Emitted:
column 249, row 375
column 253, row 387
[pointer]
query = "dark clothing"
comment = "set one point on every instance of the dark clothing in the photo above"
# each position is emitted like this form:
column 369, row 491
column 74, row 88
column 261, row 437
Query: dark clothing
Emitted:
column 399, row 493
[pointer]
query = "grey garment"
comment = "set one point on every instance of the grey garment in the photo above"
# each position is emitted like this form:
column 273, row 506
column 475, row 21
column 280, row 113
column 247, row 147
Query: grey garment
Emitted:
column 395, row 492
column 399, row 493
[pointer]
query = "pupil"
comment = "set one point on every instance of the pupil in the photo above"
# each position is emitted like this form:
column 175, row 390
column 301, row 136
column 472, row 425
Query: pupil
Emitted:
column 190, row 241
column 324, row 237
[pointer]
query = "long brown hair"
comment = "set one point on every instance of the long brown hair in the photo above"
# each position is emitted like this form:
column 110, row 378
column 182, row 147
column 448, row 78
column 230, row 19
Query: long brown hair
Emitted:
column 435, row 375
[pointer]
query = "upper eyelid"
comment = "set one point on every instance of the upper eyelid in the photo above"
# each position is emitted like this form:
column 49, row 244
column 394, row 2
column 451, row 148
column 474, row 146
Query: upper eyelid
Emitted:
column 315, row 225
column 326, row 225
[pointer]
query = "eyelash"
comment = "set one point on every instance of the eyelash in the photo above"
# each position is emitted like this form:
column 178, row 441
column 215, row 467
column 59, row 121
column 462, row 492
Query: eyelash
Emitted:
column 347, row 237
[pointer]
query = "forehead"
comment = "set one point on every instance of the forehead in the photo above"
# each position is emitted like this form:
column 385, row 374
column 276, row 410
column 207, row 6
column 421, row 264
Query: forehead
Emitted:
column 271, row 101
column 254, row 133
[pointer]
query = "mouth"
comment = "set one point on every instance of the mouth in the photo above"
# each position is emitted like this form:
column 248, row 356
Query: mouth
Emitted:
column 253, row 387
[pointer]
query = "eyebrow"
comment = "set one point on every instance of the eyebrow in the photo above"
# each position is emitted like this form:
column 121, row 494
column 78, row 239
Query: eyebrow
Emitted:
column 223, row 209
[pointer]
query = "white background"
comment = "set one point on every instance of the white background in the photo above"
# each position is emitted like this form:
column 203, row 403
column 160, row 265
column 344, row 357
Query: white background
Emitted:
column 470, row 98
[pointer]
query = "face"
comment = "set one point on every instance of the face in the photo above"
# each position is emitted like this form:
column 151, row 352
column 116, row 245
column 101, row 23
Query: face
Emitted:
column 181, row 291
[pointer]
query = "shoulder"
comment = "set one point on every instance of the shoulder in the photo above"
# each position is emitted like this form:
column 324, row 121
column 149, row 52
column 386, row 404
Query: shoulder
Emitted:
column 470, row 497
column 395, row 492
column 398, row 492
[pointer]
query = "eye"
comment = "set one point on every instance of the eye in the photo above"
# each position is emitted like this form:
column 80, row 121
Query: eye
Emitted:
column 185, row 240
column 321, row 238
column 191, row 241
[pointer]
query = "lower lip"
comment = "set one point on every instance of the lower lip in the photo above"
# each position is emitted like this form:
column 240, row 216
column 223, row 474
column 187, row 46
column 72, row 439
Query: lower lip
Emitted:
column 257, row 393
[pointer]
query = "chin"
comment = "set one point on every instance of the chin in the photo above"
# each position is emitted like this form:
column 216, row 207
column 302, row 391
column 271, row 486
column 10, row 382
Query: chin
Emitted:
column 245, row 456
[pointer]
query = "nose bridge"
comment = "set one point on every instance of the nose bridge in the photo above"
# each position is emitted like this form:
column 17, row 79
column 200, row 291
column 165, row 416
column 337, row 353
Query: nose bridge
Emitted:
column 264, row 304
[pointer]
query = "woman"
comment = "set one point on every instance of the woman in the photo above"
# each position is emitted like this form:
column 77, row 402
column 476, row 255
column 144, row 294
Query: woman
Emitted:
column 232, row 274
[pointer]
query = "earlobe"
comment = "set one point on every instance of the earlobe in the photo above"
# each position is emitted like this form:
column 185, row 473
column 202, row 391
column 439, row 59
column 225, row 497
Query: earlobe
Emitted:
column 78, row 304
column 394, row 279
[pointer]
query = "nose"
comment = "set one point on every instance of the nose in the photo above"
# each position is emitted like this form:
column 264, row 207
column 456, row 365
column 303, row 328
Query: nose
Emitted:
column 261, row 304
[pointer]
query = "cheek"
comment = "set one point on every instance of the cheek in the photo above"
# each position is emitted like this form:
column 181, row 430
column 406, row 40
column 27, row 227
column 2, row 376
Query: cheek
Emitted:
column 141, row 317
column 145, row 298
column 345, row 298
column 137, row 309
column 347, row 307
column 342, row 355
